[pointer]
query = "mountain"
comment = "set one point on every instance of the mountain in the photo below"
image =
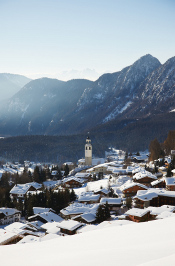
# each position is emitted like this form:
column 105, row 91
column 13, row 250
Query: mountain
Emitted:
column 11, row 84
column 126, row 109
column 40, row 105
column 50, row 106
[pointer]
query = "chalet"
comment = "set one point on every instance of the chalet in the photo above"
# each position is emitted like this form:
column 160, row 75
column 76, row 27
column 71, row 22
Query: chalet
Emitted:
column 72, row 182
column 69, row 227
column 170, row 183
column 154, row 197
column 160, row 183
column 140, row 158
column 166, row 182
column 99, row 169
column 76, row 209
column 85, row 176
column 156, row 211
column 45, row 217
column 129, row 189
column 138, row 215
column 37, row 210
column 89, row 197
column 144, row 177
column 21, row 228
column 87, row 218
column 102, row 192
column 114, row 203
column 9, row 215
column 19, row 191
column 8, row 238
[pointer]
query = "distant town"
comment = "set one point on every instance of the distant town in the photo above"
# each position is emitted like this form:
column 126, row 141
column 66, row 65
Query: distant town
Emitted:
column 40, row 201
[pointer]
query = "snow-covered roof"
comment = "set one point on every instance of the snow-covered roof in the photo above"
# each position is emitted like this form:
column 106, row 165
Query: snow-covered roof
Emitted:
column 170, row 181
column 6, row 236
column 18, row 227
column 88, row 196
column 8, row 211
column 143, row 174
column 47, row 216
column 51, row 184
column 103, row 190
column 88, row 217
column 154, row 183
column 51, row 228
column 36, row 224
column 23, row 188
column 116, row 201
column 137, row 212
column 37, row 210
column 82, row 175
column 79, row 208
column 146, row 195
column 70, row 225
column 159, row 210
column 130, row 184
column 68, row 179
column 151, row 193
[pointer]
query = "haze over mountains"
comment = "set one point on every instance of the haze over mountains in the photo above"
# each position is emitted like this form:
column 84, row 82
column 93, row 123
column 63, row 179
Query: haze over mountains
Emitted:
column 132, row 103
column 11, row 84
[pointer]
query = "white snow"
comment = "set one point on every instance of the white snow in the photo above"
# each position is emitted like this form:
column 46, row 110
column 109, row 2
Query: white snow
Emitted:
column 116, row 111
column 132, row 244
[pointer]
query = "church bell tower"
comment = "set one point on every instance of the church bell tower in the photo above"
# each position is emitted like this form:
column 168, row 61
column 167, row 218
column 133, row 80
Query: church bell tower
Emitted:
column 88, row 151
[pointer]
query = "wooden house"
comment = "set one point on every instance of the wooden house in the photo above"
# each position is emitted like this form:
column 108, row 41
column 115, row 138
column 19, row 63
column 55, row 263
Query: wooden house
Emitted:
column 130, row 189
column 72, row 182
column 69, row 227
column 144, row 178
column 138, row 215
column 114, row 203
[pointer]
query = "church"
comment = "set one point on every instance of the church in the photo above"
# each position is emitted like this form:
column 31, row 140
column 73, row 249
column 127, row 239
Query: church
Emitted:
column 89, row 161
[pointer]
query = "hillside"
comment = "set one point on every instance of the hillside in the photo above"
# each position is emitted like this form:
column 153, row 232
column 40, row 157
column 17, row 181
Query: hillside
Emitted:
column 11, row 84
column 132, row 244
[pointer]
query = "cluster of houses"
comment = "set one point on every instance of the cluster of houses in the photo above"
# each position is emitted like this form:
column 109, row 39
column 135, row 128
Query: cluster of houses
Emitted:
column 132, row 194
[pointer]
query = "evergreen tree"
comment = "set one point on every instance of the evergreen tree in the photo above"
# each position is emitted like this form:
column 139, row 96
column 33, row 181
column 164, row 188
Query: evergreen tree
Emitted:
column 106, row 211
column 73, row 195
column 66, row 170
column 36, row 175
column 100, row 214
column 169, row 173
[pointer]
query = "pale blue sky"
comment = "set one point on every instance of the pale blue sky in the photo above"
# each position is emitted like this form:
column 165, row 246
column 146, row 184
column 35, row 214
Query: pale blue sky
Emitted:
column 46, row 37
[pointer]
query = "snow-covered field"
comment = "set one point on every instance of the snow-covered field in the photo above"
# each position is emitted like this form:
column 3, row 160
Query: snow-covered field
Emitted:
column 146, row 244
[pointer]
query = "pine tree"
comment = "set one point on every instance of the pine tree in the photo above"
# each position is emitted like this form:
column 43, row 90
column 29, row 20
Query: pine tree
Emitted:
column 100, row 214
column 73, row 195
column 66, row 170
column 169, row 173
column 106, row 211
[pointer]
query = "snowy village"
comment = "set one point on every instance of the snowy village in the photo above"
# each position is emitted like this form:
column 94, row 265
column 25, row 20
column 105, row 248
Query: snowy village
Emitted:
column 117, row 190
